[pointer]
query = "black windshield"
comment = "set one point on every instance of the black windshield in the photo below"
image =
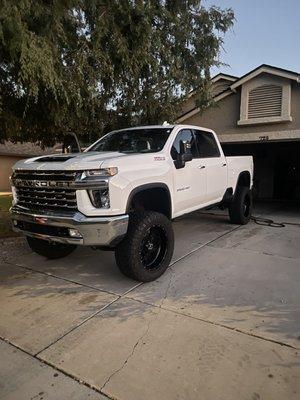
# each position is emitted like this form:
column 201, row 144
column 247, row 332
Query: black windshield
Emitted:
column 143, row 140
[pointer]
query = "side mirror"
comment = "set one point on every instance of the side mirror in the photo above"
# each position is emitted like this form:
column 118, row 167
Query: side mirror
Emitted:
column 185, row 154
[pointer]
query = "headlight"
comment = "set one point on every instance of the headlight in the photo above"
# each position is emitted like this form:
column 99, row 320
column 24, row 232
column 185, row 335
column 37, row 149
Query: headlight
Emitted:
column 96, row 184
column 98, row 173
column 99, row 198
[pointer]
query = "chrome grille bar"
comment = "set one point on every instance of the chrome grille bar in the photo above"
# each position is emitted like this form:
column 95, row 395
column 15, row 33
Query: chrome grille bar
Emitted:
column 45, row 175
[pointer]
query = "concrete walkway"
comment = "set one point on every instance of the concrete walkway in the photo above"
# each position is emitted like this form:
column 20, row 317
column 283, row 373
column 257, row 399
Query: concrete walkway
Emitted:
column 222, row 323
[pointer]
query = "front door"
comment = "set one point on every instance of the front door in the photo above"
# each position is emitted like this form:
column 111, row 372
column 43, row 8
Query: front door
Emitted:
column 189, row 181
column 214, row 161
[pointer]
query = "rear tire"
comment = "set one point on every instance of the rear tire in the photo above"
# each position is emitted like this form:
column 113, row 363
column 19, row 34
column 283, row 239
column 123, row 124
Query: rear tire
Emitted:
column 146, row 251
column 240, row 209
column 48, row 249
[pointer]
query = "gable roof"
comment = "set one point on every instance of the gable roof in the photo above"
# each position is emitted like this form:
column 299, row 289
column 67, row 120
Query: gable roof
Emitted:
column 268, row 69
column 236, row 82
column 216, row 78
column 226, row 77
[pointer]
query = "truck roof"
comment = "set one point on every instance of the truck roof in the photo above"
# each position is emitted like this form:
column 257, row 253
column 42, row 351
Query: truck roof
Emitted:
column 148, row 127
column 165, row 125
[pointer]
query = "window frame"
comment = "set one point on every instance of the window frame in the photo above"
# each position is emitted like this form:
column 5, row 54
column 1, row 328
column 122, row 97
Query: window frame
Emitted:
column 259, row 81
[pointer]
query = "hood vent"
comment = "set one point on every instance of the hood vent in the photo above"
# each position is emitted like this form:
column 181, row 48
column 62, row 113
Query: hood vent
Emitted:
column 54, row 159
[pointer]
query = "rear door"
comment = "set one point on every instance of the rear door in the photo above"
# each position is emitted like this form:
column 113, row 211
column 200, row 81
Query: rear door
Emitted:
column 212, row 159
column 189, row 181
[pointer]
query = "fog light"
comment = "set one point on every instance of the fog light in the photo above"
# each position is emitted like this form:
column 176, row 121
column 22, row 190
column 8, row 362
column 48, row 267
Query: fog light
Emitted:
column 100, row 198
column 74, row 233
column 105, row 199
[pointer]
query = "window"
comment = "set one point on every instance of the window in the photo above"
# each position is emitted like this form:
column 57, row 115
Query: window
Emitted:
column 143, row 140
column 265, row 101
column 207, row 145
column 185, row 135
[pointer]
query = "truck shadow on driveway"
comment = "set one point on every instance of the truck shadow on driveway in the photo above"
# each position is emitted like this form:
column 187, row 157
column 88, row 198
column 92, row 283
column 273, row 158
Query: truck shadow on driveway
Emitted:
column 231, row 281
column 98, row 269
column 246, row 280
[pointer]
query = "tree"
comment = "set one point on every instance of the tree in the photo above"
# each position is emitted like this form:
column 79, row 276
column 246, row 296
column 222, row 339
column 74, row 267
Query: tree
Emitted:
column 88, row 66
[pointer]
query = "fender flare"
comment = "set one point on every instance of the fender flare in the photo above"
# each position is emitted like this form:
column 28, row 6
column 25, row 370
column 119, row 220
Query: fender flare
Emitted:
column 147, row 186
column 229, row 194
column 240, row 177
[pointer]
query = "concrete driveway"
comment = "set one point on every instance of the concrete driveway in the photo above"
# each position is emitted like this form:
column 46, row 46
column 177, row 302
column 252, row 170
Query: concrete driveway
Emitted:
column 222, row 323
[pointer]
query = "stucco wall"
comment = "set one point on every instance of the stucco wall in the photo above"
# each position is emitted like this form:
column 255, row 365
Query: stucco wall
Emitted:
column 224, row 115
column 217, row 88
column 6, row 163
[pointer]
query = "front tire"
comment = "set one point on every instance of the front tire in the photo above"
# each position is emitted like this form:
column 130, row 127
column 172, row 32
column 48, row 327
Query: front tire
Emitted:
column 240, row 209
column 48, row 249
column 146, row 251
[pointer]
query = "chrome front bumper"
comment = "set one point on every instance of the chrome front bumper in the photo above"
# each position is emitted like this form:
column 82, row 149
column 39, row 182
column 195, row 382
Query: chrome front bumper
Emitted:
column 94, row 231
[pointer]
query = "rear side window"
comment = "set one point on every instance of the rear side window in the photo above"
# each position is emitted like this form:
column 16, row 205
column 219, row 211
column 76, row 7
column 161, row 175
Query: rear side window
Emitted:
column 185, row 135
column 207, row 145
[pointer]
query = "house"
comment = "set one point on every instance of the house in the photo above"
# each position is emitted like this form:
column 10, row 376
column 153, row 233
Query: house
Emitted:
column 257, row 114
column 10, row 153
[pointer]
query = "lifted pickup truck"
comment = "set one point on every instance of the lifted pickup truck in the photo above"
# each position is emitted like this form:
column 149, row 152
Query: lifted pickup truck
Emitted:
column 122, row 192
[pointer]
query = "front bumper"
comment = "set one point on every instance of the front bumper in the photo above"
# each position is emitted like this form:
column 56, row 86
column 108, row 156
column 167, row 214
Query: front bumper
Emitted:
column 93, row 231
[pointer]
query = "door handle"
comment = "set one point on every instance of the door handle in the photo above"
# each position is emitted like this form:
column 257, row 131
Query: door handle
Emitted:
column 201, row 166
column 224, row 165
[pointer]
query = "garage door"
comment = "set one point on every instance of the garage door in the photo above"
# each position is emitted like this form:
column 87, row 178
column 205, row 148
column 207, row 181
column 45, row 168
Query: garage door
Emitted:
column 276, row 168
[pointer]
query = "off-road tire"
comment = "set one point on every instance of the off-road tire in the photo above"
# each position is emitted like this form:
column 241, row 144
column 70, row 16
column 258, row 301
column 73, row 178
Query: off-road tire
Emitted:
column 240, row 209
column 50, row 250
column 129, row 253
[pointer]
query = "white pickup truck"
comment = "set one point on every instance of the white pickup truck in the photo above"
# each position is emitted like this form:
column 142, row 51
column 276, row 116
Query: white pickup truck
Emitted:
column 122, row 192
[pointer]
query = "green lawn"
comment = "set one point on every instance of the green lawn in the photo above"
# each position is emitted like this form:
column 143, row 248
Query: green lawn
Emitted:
column 5, row 223
column 5, row 202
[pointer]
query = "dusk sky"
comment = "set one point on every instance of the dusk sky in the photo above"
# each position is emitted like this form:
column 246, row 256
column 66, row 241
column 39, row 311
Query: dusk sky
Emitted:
column 265, row 32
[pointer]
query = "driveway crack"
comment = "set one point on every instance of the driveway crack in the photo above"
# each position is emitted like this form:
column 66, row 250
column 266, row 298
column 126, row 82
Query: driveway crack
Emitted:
column 142, row 336
column 127, row 358
column 168, row 287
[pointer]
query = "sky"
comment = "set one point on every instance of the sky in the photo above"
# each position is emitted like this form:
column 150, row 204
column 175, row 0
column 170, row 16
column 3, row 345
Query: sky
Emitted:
column 265, row 32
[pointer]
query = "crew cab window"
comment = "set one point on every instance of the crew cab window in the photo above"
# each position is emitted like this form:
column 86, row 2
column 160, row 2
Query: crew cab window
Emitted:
column 207, row 145
column 185, row 135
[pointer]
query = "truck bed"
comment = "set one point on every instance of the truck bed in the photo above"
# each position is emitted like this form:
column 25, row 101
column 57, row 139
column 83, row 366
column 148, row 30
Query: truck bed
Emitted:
column 237, row 164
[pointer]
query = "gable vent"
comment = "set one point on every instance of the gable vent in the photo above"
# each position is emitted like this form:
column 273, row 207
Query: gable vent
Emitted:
column 265, row 101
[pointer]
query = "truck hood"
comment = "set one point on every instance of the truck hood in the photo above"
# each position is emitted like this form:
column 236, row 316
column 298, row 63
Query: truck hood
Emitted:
column 71, row 161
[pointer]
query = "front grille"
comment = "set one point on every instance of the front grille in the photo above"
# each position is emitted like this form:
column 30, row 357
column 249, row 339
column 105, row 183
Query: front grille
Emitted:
column 37, row 190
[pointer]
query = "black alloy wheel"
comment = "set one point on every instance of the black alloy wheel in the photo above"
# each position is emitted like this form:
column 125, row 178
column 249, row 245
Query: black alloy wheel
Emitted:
column 153, row 247
column 146, row 251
